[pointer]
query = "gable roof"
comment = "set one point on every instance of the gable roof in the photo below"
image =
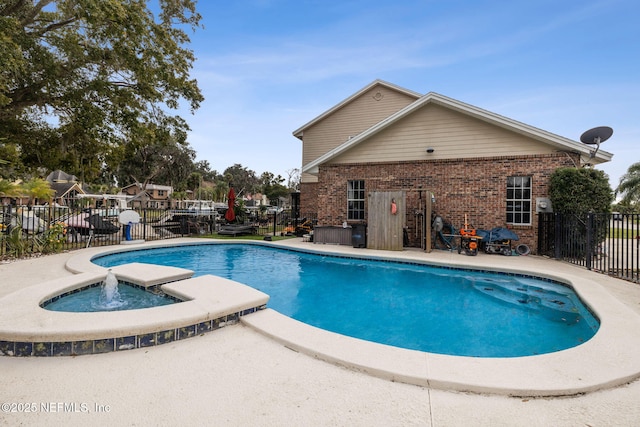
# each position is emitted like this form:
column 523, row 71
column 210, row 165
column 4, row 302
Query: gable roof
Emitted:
column 557, row 141
column 62, row 189
column 60, row 176
column 300, row 131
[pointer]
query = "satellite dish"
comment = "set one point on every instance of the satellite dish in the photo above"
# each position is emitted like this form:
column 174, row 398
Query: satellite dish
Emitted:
column 596, row 136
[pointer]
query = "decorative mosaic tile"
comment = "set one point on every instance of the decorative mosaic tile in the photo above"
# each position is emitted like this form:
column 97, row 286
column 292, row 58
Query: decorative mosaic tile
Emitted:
column 24, row 349
column 83, row 347
column 62, row 349
column 42, row 349
column 203, row 327
column 216, row 323
column 164, row 337
column 247, row 311
column 7, row 348
column 125, row 343
column 147, row 340
column 186, row 332
column 103, row 346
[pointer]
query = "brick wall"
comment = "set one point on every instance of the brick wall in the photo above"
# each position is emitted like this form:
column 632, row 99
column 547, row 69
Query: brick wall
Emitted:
column 475, row 187
column 308, row 199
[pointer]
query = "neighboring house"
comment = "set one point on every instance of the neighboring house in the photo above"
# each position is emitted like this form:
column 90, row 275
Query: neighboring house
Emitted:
column 478, row 164
column 66, row 187
column 151, row 196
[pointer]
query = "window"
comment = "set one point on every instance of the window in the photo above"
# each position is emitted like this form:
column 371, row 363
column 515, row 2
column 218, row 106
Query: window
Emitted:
column 519, row 200
column 355, row 200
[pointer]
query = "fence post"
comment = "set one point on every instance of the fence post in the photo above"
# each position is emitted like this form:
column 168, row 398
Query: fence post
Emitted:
column 144, row 224
column 557, row 235
column 275, row 214
column 589, row 248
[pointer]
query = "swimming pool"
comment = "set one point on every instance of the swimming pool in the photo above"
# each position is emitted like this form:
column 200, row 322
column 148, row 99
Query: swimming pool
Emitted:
column 432, row 309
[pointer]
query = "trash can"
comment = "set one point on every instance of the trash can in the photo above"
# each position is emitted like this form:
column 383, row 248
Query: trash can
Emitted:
column 359, row 235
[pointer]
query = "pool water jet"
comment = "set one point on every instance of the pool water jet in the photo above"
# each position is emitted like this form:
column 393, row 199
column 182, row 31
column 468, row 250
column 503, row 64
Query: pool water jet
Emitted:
column 109, row 295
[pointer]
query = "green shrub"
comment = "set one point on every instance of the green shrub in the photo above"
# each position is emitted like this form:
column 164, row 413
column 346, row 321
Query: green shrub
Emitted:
column 580, row 191
column 576, row 193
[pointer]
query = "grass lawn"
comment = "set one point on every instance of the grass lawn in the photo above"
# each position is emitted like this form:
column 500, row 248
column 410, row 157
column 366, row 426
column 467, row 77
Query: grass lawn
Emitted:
column 622, row 233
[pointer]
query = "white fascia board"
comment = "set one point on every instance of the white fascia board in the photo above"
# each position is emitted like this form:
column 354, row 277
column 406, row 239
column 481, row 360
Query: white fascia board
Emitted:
column 560, row 142
column 555, row 140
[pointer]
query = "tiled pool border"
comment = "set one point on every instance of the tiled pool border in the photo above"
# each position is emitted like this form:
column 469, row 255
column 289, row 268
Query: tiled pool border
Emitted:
column 106, row 345
column 155, row 289
column 123, row 343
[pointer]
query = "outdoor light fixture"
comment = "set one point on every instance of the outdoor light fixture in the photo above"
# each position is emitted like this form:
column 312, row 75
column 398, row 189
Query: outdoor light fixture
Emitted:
column 430, row 150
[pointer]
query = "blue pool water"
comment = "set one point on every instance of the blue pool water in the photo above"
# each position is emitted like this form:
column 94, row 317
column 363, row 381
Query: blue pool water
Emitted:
column 433, row 309
column 91, row 299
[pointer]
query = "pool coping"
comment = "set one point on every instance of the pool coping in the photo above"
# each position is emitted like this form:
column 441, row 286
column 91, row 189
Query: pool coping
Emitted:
column 208, row 303
column 609, row 359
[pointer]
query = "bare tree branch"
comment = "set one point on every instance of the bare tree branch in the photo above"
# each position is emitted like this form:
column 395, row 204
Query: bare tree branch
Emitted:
column 55, row 26
column 29, row 19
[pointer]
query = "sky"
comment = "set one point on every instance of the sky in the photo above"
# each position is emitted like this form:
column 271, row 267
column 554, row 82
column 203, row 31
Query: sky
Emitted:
column 267, row 67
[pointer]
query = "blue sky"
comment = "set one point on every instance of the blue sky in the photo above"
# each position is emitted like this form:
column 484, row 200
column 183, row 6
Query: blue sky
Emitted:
column 266, row 67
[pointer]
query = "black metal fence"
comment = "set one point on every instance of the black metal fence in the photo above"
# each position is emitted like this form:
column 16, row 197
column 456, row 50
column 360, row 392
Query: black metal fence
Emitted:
column 608, row 243
column 28, row 230
column 46, row 229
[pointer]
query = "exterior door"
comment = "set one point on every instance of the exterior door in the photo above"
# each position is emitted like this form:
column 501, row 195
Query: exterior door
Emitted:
column 386, row 219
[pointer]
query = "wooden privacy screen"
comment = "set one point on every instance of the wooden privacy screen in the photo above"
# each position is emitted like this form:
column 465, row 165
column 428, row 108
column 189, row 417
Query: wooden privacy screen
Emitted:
column 384, row 228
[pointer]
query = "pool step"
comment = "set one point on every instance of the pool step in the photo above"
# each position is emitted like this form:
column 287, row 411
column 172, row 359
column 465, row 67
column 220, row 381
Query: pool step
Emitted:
column 558, row 306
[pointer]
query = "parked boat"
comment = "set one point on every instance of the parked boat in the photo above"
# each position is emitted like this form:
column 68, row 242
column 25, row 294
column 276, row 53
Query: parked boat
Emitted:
column 85, row 223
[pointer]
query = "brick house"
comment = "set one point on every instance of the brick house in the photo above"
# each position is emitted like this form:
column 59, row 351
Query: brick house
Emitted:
column 149, row 196
column 385, row 138
column 66, row 187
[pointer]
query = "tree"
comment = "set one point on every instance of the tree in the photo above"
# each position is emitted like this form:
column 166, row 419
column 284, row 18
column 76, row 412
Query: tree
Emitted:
column 243, row 180
column 626, row 207
column 220, row 190
column 80, row 77
column 294, row 179
column 204, row 169
column 8, row 189
column 155, row 156
column 272, row 186
column 629, row 187
column 36, row 189
column 178, row 166
column 10, row 163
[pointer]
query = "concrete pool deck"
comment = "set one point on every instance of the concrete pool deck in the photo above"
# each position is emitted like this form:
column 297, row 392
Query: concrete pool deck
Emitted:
column 237, row 375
